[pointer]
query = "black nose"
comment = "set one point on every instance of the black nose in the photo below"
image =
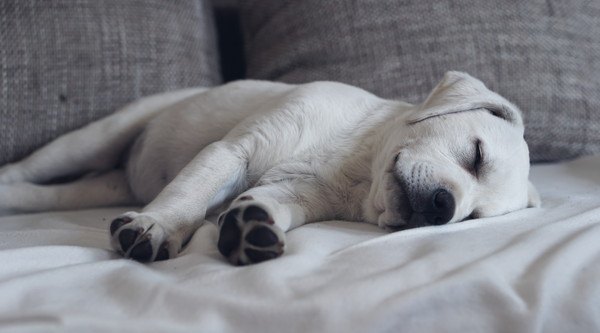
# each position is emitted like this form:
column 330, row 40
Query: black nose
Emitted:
column 441, row 207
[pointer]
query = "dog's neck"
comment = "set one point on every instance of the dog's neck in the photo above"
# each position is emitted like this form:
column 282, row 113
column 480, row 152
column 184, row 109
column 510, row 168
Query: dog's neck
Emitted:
column 370, row 157
column 393, row 117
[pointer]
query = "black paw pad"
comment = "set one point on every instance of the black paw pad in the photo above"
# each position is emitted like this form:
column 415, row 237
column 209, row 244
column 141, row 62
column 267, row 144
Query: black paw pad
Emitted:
column 230, row 234
column 257, row 255
column 118, row 223
column 262, row 236
column 255, row 213
column 127, row 237
column 163, row 252
column 142, row 251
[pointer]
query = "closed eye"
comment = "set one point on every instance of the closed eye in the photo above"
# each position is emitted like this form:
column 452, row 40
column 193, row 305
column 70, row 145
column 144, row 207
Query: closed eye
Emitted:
column 478, row 160
column 474, row 159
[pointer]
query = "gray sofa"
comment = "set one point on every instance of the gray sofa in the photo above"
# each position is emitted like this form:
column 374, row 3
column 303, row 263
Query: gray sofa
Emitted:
column 64, row 63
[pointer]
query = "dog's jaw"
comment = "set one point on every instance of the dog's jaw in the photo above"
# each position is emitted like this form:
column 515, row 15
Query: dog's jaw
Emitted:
column 397, row 207
column 373, row 205
column 387, row 204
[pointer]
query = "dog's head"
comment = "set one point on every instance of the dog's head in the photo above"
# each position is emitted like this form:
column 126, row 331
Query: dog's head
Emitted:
column 459, row 155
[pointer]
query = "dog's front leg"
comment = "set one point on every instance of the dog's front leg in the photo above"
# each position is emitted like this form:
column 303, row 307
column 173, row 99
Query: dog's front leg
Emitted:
column 252, row 228
column 167, row 223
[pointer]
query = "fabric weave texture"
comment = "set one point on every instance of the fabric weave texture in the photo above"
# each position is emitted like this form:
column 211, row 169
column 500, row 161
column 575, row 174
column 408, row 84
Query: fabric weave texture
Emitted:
column 544, row 56
column 65, row 63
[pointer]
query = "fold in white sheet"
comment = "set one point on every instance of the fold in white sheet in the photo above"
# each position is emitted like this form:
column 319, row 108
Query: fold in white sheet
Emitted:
column 536, row 270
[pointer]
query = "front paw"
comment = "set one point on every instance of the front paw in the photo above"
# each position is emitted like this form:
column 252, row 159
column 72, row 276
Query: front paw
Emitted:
column 142, row 238
column 248, row 234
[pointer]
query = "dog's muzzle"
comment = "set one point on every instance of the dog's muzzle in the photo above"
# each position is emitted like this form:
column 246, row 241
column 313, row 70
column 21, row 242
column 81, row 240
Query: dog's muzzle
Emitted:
column 419, row 197
column 434, row 208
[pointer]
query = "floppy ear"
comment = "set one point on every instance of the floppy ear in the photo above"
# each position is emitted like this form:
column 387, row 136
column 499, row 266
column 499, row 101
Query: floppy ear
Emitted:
column 533, row 197
column 460, row 92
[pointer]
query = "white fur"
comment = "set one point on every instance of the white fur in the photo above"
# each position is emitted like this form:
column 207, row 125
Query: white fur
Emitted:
column 304, row 153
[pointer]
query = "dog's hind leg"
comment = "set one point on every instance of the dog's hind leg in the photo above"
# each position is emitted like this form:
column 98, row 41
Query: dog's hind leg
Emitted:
column 252, row 228
column 95, row 147
column 108, row 189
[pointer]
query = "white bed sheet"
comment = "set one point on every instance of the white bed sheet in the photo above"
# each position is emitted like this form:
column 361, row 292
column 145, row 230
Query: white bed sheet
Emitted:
column 536, row 270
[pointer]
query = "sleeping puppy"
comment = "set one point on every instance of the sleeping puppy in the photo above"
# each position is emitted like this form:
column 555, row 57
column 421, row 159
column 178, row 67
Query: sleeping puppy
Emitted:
column 270, row 157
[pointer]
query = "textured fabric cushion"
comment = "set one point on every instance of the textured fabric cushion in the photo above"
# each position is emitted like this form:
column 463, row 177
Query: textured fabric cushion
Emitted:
column 64, row 63
column 542, row 55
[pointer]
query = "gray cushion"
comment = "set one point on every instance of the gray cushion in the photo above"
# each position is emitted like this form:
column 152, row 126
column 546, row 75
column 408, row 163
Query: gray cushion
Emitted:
column 64, row 63
column 542, row 55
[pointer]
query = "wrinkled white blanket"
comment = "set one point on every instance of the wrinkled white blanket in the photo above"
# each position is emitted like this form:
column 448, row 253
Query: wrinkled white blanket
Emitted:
column 536, row 270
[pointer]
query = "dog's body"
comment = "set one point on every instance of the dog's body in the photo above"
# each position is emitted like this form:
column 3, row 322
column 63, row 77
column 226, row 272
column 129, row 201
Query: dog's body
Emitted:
column 288, row 154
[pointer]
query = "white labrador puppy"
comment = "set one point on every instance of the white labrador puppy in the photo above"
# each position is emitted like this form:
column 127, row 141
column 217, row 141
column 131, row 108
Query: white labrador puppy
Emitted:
column 287, row 155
